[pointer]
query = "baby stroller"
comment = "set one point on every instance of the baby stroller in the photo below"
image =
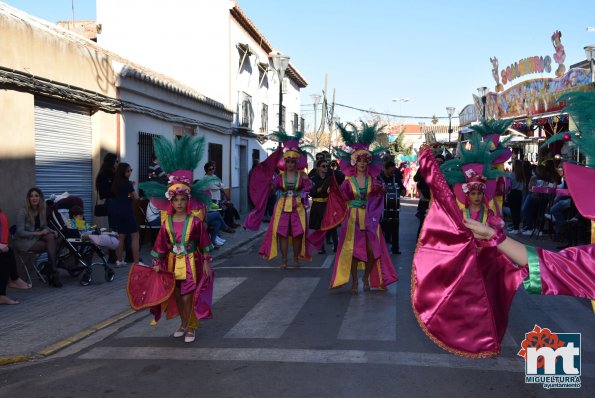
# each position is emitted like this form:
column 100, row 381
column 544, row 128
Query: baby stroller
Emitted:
column 75, row 252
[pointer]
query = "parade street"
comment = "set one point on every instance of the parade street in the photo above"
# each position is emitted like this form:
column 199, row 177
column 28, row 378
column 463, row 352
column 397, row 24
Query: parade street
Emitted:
column 285, row 334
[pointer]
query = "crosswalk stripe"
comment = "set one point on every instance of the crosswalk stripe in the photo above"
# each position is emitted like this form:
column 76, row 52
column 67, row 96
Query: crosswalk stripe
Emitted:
column 274, row 313
column 391, row 358
column 221, row 287
column 328, row 261
column 371, row 316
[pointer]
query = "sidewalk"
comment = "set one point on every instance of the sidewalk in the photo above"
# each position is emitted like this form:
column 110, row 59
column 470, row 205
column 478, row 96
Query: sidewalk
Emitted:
column 49, row 319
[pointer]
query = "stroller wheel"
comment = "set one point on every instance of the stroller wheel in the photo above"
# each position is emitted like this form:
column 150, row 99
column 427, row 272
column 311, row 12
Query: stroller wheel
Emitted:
column 109, row 274
column 86, row 278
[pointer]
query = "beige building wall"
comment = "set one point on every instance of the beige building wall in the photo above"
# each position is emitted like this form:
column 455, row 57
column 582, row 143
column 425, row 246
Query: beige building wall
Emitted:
column 41, row 49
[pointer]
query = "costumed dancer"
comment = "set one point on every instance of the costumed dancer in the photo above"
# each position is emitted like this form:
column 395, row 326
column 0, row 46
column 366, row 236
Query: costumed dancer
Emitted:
column 491, row 131
column 181, row 281
column 358, row 204
column 289, row 222
column 450, row 273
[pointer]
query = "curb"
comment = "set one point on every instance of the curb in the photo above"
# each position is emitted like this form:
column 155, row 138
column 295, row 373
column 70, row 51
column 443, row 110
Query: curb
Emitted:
column 53, row 348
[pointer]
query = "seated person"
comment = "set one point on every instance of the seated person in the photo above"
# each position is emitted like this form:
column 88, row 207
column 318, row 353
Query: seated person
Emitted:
column 8, row 267
column 33, row 233
column 230, row 214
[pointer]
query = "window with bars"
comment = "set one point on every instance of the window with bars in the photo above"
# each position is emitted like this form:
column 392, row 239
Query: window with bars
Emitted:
column 282, row 116
column 295, row 123
column 264, row 118
column 145, row 154
column 246, row 111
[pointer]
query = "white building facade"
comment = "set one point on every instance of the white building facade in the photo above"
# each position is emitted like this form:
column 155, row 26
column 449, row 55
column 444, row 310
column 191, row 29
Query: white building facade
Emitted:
column 212, row 47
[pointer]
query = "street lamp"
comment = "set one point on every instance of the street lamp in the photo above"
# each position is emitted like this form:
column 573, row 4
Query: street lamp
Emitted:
column 482, row 91
column 450, row 110
column 280, row 63
column 590, row 53
column 315, row 101
column 400, row 101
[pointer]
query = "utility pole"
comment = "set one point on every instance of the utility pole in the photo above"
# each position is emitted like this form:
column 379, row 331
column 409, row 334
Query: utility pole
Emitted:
column 331, row 126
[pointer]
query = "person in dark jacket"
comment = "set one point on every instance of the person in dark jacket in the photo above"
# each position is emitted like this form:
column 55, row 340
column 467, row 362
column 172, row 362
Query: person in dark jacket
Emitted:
column 390, row 226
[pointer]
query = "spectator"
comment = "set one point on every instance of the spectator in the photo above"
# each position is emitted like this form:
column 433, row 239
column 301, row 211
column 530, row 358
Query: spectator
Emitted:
column 219, row 197
column 123, row 213
column 33, row 233
column 515, row 195
column 319, row 156
column 103, row 185
column 561, row 204
column 8, row 267
column 156, row 173
column 533, row 201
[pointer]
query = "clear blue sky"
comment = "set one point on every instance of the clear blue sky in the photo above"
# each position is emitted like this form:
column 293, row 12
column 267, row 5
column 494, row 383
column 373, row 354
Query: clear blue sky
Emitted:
column 434, row 52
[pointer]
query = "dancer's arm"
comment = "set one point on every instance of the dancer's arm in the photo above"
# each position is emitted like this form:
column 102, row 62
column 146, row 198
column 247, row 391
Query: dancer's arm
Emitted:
column 516, row 251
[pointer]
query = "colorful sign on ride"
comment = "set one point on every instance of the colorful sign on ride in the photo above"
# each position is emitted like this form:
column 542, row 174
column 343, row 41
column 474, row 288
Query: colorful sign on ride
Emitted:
column 533, row 97
column 535, row 64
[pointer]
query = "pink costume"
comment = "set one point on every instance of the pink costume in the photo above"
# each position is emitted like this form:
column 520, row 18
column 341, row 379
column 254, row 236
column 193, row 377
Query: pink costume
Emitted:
column 461, row 296
column 289, row 215
column 180, row 248
column 361, row 217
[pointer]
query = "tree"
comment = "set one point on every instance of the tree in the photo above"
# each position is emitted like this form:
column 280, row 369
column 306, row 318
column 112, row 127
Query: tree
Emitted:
column 400, row 147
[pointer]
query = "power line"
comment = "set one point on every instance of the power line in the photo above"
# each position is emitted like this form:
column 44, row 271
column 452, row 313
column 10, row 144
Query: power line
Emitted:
column 390, row 114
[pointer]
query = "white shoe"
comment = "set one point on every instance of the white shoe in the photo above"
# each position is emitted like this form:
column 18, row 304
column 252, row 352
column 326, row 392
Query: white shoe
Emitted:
column 121, row 264
column 190, row 336
column 180, row 332
column 218, row 241
column 514, row 231
column 221, row 239
column 527, row 232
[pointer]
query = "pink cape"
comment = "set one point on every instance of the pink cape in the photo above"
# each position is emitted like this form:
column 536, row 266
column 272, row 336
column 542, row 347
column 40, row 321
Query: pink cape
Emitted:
column 260, row 183
column 461, row 296
column 580, row 180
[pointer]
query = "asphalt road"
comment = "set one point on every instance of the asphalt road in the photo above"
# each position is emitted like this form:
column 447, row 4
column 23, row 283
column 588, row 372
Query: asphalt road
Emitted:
column 285, row 334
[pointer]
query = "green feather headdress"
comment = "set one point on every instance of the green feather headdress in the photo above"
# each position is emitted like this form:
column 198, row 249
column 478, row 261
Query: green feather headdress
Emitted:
column 479, row 152
column 178, row 158
column 492, row 130
column 358, row 140
column 292, row 144
column 581, row 107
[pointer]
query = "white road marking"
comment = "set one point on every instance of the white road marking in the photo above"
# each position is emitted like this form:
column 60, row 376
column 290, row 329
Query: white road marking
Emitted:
column 391, row 358
column 371, row 316
column 328, row 261
column 274, row 313
column 163, row 328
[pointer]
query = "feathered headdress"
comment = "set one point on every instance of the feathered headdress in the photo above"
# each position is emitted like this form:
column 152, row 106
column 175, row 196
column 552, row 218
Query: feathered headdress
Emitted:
column 292, row 148
column 178, row 158
column 581, row 107
column 491, row 131
column 358, row 142
column 473, row 169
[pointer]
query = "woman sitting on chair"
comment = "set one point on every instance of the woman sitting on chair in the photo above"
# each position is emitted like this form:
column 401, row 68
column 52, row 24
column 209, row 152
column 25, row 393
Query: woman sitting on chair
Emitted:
column 33, row 233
